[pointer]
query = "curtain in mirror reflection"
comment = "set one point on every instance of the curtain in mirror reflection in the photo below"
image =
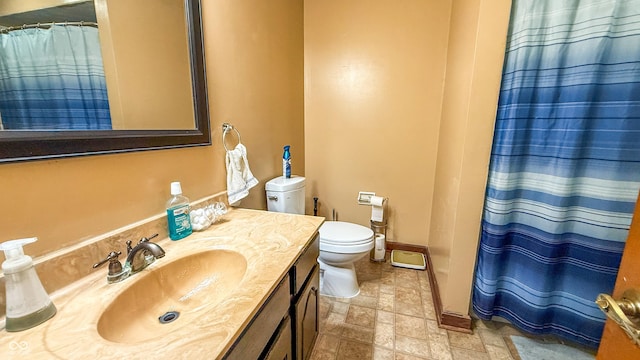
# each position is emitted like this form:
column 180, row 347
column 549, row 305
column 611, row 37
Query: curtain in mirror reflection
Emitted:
column 53, row 79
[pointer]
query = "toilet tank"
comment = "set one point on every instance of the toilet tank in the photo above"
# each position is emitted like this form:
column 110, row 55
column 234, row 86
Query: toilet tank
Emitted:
column 286, row 195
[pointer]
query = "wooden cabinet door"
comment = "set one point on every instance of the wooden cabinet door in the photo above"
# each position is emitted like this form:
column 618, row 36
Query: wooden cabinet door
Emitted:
column 307, row 317
column 281, row 348
column 615, row 344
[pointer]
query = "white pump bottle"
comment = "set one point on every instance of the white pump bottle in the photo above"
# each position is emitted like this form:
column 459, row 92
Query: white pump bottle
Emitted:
column 28, row 304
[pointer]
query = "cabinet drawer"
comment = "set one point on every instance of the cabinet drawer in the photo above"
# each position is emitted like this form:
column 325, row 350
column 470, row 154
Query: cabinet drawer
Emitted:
column 256, row 336
column 305, row 264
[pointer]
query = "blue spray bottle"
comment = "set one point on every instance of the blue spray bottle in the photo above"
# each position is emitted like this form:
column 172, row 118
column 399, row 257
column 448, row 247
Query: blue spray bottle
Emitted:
column 286, row 162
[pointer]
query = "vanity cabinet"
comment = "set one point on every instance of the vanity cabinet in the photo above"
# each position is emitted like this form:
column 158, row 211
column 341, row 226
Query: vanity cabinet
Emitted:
column 286, row 326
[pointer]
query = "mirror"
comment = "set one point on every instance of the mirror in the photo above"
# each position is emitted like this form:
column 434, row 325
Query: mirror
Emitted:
column 153, row 60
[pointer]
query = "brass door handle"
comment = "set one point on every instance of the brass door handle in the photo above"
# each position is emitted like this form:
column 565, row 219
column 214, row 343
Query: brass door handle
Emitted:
column 625, row 312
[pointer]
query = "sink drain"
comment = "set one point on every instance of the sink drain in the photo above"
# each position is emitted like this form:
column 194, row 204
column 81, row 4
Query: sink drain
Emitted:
column 168, row 317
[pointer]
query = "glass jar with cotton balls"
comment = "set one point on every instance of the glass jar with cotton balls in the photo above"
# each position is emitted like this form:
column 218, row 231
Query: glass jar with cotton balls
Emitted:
column 205, row 216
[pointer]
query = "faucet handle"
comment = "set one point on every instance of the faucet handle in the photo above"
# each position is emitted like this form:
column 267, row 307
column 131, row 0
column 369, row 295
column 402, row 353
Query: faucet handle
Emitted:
column 116, row 272
column 115, row 266
column 146, row 239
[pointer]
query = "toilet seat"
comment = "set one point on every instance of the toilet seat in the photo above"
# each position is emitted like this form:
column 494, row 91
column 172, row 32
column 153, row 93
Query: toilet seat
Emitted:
column 344, row 237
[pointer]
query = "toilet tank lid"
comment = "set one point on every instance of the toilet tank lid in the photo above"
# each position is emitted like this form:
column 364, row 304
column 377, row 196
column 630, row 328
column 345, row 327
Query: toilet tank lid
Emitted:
column 340, row 231
column 283, row 184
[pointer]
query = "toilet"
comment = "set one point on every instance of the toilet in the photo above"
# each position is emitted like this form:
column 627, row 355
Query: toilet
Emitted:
column 341, row 243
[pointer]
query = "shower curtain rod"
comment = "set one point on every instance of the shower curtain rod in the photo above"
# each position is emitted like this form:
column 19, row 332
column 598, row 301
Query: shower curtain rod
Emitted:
column 48, row 25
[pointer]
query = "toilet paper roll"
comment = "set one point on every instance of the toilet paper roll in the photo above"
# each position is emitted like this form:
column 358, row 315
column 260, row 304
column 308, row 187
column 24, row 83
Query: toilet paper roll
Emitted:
column 377, row 200
column 377, row 209
column 377, row 213
column 378, row 254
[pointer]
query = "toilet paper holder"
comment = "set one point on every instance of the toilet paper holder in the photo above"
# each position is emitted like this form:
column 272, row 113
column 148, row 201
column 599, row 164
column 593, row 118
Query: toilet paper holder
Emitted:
column 377, row 203
column 364, row 197
column 378, row 223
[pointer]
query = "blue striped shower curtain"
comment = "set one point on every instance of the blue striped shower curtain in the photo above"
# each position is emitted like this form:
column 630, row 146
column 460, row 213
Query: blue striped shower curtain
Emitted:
column 53, row 79
column 565, row 166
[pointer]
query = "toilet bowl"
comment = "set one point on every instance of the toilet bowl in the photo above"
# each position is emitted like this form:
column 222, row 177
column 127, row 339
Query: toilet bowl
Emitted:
column 341, row 244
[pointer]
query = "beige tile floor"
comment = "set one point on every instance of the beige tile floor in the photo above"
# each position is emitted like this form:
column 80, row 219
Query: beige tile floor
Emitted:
column 393, row 317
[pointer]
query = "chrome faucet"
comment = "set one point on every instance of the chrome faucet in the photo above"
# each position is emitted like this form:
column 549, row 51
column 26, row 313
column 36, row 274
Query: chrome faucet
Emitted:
column 142, row 255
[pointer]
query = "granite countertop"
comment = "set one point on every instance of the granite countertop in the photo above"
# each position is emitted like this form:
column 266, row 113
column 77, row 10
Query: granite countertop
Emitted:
column 270, row 243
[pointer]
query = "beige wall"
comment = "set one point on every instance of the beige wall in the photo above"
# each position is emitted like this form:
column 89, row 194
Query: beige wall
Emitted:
column 255, row 52
column 474, row 68
column 148, row 81
column 254, row 63
column 401, row 99
column 374, row 73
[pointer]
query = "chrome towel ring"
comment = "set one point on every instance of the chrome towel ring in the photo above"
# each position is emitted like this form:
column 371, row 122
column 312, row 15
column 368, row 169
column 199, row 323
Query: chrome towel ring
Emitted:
column 226, row 127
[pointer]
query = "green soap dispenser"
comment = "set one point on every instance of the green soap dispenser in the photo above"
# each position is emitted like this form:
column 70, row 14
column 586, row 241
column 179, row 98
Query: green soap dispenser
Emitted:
column 28, row 304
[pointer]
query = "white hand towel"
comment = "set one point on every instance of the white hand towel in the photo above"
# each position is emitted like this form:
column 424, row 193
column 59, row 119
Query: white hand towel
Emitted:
column 239, row 176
